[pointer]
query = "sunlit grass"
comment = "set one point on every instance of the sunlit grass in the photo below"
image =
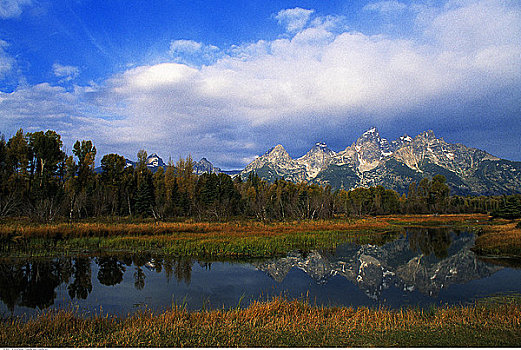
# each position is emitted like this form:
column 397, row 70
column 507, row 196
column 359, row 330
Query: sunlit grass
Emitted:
column 274, row 324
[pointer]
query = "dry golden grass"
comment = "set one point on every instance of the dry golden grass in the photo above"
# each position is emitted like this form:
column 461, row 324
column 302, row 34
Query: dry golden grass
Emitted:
column 274, row 324
column 502, row 239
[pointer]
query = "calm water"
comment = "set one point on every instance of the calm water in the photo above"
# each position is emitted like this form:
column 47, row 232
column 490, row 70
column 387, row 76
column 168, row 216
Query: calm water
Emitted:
column 420, row 268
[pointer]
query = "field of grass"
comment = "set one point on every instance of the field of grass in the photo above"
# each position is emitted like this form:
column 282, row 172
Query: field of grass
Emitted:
column 232, row 239
column 278, row 323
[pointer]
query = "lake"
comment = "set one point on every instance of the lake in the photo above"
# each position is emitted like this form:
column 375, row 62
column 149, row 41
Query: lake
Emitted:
column 419, row 268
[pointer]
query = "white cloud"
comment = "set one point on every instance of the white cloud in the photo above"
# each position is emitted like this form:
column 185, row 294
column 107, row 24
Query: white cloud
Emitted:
column 12, row 8
column 314, row 83
column 66, row 73
column 385, row 6
column 6, row 61
column 193, row 52
column 319, row 74
column 294, row 19
column 184, row 46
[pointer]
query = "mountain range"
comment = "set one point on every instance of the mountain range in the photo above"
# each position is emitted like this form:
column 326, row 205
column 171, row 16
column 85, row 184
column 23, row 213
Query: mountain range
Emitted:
column 372, row 160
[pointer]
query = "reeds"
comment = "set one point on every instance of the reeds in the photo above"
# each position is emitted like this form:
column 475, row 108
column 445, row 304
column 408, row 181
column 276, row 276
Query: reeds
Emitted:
column 276, row 323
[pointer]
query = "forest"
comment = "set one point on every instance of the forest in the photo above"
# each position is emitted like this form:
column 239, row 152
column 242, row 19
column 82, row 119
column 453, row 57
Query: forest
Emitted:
column 40, row 181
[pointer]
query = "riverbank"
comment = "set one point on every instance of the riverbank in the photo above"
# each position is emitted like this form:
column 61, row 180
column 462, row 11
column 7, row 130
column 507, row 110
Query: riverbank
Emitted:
column 278, row 323
column 503, row 239
column 212, row 240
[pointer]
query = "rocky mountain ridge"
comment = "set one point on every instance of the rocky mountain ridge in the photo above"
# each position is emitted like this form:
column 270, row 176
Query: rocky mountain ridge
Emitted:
column 372, row 160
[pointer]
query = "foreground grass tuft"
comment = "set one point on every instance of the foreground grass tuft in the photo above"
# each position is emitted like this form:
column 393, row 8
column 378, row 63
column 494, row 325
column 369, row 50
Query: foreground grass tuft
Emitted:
column 275, row 324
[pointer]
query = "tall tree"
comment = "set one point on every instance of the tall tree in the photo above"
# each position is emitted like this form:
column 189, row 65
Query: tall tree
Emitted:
column 144, row 198
column 112, row 167
column 86, row 154
column 47, row 153
column 18, row 156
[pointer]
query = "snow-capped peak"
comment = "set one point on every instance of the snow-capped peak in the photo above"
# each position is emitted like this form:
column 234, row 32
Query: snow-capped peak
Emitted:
column 405, row 138
column 154, row 160
column 277, row 148
column 373, row 130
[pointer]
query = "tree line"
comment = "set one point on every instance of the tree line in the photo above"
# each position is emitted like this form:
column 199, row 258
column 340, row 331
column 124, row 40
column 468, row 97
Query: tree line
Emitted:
column 39, row 180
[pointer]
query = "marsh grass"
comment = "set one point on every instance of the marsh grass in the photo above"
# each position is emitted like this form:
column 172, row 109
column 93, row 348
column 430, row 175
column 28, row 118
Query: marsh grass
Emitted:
column 242, row 239
column 500, row 240
column 234, row 239
column 275, row 323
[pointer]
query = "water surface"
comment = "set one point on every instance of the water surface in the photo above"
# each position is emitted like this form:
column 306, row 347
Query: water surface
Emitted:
column 420, row 268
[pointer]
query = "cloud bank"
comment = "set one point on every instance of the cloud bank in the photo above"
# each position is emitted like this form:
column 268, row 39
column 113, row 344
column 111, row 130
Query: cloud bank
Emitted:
column 458, row 73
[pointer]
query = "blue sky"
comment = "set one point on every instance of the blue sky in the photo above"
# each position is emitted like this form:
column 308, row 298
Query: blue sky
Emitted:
column 227, row 80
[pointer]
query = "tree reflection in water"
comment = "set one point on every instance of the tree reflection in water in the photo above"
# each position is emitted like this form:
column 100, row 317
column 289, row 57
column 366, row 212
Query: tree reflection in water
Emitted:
column 33, row 283
column 430, row 241
column 111, row 270
column 82, row 285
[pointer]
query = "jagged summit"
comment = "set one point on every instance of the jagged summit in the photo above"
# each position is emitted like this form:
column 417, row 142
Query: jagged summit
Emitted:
column 154, row 161
column 317, row 158
column 372, row 131
column 429, row 134
column 373, row 160
column 205, row 166
column 277, row 150
column 276, row 163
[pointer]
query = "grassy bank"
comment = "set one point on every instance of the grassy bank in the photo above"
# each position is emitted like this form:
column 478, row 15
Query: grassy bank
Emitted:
column 232, row 239
column 502, row 239
column 275, row 324
column 242, row 239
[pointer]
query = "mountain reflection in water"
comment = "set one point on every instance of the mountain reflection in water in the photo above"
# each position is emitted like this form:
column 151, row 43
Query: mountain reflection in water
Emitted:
column 424, row 259
column 398, row 270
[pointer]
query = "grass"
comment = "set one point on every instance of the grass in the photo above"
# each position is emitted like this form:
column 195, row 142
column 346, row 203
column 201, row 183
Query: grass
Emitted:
column 242, row 239
column 502, row 239
column 277, row 323
column 234, row 239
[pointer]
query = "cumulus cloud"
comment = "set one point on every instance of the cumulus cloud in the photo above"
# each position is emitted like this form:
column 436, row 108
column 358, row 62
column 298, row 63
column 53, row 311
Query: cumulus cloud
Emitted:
column 294, row 19
column 322, row 82
column 12, row 8
column 65, row 73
